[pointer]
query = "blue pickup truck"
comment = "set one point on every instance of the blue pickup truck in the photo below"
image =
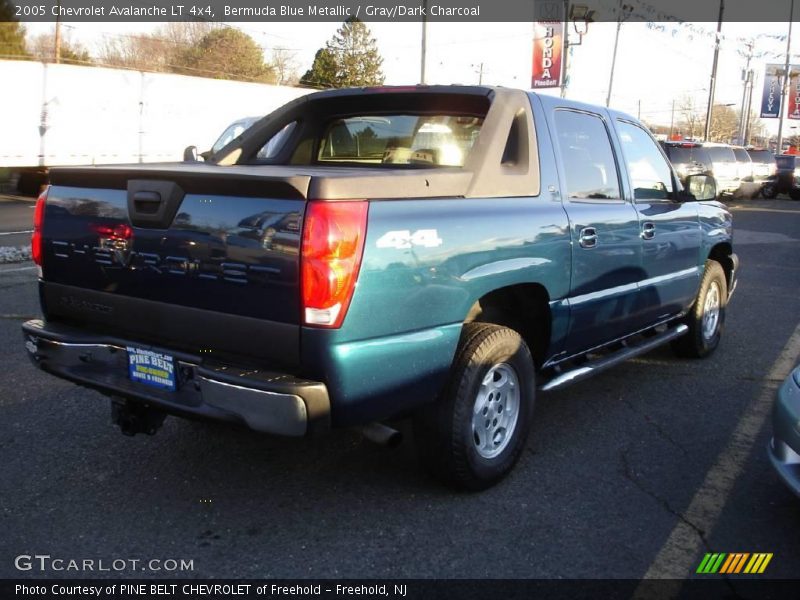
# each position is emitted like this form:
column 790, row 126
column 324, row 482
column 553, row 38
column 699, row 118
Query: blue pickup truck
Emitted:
column 437, row 252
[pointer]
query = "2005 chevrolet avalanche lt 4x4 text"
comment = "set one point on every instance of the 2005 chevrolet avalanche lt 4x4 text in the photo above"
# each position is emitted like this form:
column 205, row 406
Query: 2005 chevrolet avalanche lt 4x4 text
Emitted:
column 359, row 255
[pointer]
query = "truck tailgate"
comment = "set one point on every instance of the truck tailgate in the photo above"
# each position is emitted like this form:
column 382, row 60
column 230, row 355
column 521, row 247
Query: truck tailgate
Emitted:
column 196, row 263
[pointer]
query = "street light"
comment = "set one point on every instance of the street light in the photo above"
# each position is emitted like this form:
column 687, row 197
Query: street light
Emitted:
column 574, row 13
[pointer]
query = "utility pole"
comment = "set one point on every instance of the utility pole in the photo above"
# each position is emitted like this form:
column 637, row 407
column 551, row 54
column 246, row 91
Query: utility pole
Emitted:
column 749, row 108
column 639, row 113
column 671, row 120
column 779, row 149
column 713, row 84
column 744, row 111
column 565, row 50
column 57, row 44
column 480, row 74
column 424, row 48
column 614, row 54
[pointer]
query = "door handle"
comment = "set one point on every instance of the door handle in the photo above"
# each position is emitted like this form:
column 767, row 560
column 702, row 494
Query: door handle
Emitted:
column 648, row 230
column 588, row 237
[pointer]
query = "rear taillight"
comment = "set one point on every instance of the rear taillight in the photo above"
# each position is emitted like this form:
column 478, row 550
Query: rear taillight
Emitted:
column 38, row 222
column 333, row 243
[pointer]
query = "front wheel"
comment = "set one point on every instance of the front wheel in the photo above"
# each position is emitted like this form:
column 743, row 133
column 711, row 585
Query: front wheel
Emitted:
column 474, row 434
column 707, row 315
column 769, row 191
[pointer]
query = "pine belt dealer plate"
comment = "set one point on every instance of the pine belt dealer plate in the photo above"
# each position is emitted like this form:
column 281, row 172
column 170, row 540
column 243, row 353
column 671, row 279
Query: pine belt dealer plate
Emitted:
column 151, row 368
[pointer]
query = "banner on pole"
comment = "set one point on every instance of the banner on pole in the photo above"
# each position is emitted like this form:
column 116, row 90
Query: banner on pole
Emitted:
column 548, row 45
column 771, row 95
column 793, row 98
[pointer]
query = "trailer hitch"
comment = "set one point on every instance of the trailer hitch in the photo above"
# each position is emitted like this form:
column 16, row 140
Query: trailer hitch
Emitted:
column 136, row 417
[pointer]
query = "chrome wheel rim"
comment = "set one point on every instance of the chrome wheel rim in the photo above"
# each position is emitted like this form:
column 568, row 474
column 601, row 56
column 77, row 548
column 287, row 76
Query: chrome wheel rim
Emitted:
column 711, row 311
column 496, row 410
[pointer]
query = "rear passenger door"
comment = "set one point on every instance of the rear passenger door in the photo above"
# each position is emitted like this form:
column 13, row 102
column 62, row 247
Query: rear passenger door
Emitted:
column 604, row 229
column 670, row 230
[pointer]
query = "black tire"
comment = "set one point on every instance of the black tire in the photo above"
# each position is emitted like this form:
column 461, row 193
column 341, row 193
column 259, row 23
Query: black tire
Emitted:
column 702, row 339
column 447, row 443
column 794, row 194
column 769, row 191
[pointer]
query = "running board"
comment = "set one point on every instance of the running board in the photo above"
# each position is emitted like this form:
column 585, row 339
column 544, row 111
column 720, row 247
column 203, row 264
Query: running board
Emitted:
column 593, row 368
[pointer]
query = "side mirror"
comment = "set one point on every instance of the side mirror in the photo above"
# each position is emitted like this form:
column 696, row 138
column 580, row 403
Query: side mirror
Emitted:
column 206, row 155
column 190, row 154
column 701, row 187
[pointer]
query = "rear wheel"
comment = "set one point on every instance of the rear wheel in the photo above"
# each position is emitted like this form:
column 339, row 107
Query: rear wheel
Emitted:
column 474, row 434
column 707, row 315
column 794, row 194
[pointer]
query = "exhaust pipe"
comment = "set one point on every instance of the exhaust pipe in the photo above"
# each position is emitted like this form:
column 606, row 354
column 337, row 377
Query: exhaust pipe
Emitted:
column 381, row 434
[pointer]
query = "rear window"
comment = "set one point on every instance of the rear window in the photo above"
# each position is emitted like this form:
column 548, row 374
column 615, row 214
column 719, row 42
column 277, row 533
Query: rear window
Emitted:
column 683, row 155
column 761, row 156
column 721, row 154
column 741, row 155
column 401, row 139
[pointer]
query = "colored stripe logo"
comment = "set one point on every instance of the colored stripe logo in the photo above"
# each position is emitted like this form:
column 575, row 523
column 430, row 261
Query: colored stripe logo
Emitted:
column 734, row 563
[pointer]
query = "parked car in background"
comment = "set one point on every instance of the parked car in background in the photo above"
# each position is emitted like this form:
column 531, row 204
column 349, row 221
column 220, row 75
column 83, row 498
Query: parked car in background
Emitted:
column 787, row 178
column 233, row 131
column 784, row 448
column 747, row 189
column 724, row 168
column 688, row 158
column 764, row 168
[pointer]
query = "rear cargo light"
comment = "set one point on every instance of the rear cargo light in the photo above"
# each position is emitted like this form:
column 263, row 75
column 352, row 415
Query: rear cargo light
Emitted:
column 38, row 222
column 333, row 243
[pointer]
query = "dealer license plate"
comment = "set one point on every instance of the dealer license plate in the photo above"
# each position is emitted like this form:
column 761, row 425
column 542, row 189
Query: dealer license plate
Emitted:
column 151, row 368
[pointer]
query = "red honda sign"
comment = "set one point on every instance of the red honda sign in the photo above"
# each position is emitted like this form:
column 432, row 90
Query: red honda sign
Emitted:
column 548, row 45
column 793, row 100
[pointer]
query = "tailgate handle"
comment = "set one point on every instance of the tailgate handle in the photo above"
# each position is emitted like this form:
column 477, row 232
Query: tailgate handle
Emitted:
column 153, row 203
column 147, row 202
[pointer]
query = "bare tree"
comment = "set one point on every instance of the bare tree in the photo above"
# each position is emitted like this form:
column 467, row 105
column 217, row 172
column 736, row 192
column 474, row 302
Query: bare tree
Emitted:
column 724, row 124
column 755, row 129
column 42, row 47
column 285, row 64
column 143, row 52
column 163, row 50
column 185, row 34
column 690, row 122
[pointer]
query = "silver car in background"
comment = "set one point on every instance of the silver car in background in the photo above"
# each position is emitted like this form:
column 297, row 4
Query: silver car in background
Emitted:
column 784, row 448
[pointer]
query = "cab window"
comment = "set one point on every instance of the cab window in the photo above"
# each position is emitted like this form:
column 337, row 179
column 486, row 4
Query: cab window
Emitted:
column 585, row 148
column 648, row 169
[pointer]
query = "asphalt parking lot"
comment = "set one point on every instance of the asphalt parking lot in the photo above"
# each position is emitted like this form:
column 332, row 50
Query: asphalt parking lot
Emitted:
column 639, row 471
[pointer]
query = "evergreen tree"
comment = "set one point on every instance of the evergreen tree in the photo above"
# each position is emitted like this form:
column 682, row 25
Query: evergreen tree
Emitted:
column 12, row 34
column 322, row 73
column 227, row 53
column 350, row 59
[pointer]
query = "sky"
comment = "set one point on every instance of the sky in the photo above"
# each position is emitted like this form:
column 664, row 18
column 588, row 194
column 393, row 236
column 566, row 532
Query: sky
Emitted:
column 653, row 67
